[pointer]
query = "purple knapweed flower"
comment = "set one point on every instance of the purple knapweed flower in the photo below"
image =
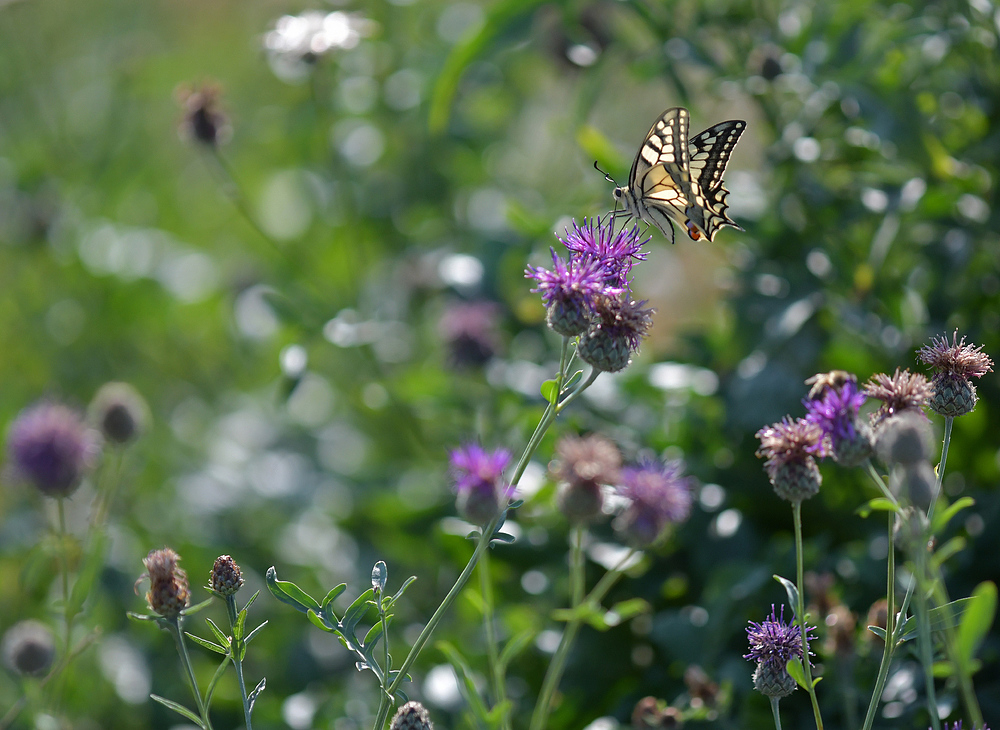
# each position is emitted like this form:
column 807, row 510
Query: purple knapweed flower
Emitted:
column 570, row 291
column 479, row 482
column 617, row 329
column 615, row 251
column 835, row 411
column 52, row 448
column 470, row 330
column 901, row 391
column 954, row 365
column 773, row 643
column 789, row 447
column 659, row 496
column 958, row 726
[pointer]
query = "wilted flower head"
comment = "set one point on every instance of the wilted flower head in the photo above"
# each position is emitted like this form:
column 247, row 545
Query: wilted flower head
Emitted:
column 954, row 364
column 569, row 292
column 835, row 411
column 226, row 577
column 651, row 713
column 583, row 465
column 788, row 447
column 28, row 648
column 616, row 332
column 597, row 240
column 773, row 643
column 50, row 446
column 204, row 121
column 411, row 716
column 168, row 592
column 297, row 41
column 658, row 496
column 470, row 331
column 479, row 482
column 901, row 391
column 120, row 412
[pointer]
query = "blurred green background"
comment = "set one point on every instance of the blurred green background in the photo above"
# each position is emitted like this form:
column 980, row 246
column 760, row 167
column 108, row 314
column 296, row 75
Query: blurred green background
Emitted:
column 320, row 311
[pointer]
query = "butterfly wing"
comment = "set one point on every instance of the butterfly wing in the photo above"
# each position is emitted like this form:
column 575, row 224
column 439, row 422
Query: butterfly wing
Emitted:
column 660, row 178
column 708, row 156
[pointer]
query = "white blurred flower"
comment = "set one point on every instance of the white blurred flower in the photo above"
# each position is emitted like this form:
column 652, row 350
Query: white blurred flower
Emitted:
column 298, row 40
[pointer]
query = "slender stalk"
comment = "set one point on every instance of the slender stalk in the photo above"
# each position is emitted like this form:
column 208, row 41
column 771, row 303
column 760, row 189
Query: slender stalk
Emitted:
column 948, row 423
column 497, row 679
column 175, row 629
column 64, row 571
column 776, row 713
column 880, row 482
column 940, row 595
column 237, row 652
column 238, row 198
column 924, row 637
column 890, row 630
column 554, row 673
column 801, row 613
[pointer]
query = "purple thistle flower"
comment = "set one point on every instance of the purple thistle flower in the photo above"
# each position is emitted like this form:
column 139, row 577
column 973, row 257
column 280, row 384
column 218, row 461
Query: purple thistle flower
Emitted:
column 597, row 240
column 789, row 447
column 659, row 496
column 616, row 332
column 901, row 391
column 479, row 483
column 772, row 640
column 51, row 447
column 954, row 365
column 570, row 292
column 958, row 726
column 836, row 413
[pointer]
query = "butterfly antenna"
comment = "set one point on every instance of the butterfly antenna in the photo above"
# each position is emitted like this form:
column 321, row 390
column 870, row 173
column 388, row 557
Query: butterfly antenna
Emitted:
column 606, row 175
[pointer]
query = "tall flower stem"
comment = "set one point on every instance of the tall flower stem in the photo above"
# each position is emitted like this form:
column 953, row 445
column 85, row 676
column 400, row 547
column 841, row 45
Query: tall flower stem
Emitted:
column 497, row 679
column 64, row 571
column 554, row 673
column 924, row 637
column 801, row 612
column 776, row 713
column 889, row 645
column 175, row 629
column 237, row 652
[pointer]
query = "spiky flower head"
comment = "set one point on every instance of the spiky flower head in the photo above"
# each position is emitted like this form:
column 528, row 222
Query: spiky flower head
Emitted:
column 901, row 391
column 614, row 251
column 226, row 577
column 470, row 331
column 789, row 447
column 835, row 411
column 28, row 647
column 120, row 412
column 569, row 291
column 773, row 643
column 204, row 121
column 411, row 716
column 168, row 592
column 51, row 447
column 658, row 496
column 954, row 364
column 479, row 482
column 616, row 332
column 958, row 726
column 583, row 465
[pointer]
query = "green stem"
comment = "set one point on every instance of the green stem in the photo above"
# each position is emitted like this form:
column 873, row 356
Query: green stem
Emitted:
column 801, row 613
column 890, row 630
column 880, row 483
column 237, row 652
column 940, row 594
column 175, row 629
column 776, row 713
column 948, row 423
column 64, row 571
column 554, row 673
column 924, row 636
column 497, row 679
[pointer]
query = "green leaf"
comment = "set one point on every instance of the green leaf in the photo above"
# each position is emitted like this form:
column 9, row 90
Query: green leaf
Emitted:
column 333, row 594
column 949, row 549
column 318, row 621
column 288, row 592
column 356, row 611
column 398, row 594
column 465, row 683
column 878, row 631
column 878, row 504
column 976, row 623
column 794, row 669
column 253, row 633
column 210, row 692
column 179, row 709
column 220, row 635
column 191, row 610
column 943, row 517
column 550, row 391
column 630, row 609
column 252, row 697
column 206, row 644
column 252, row 599
column 372, row 637
column 793, row 594
column 514, row 646
column 941, row 618
column 241, row 622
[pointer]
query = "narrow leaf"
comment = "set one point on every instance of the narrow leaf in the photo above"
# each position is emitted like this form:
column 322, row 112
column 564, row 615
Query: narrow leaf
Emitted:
column 943, row 517
column 252, row 697
column 333, row 594
column 206, row 644
column 191, row 610
column 288, row 592
column 878, row 631
column 179, row 709
column 399, row 593
column 794, row 669
column 878, row 504
column 318, row 621
column 514, row 646
column 976, row 623
column 941, row 618
column 253, row 633
column 630, row 608
column 465, row 683
column 372, row 637
column 793, row 593
column 356, row 611
column 252, row 599
column 210, row 692
column 219, row 635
